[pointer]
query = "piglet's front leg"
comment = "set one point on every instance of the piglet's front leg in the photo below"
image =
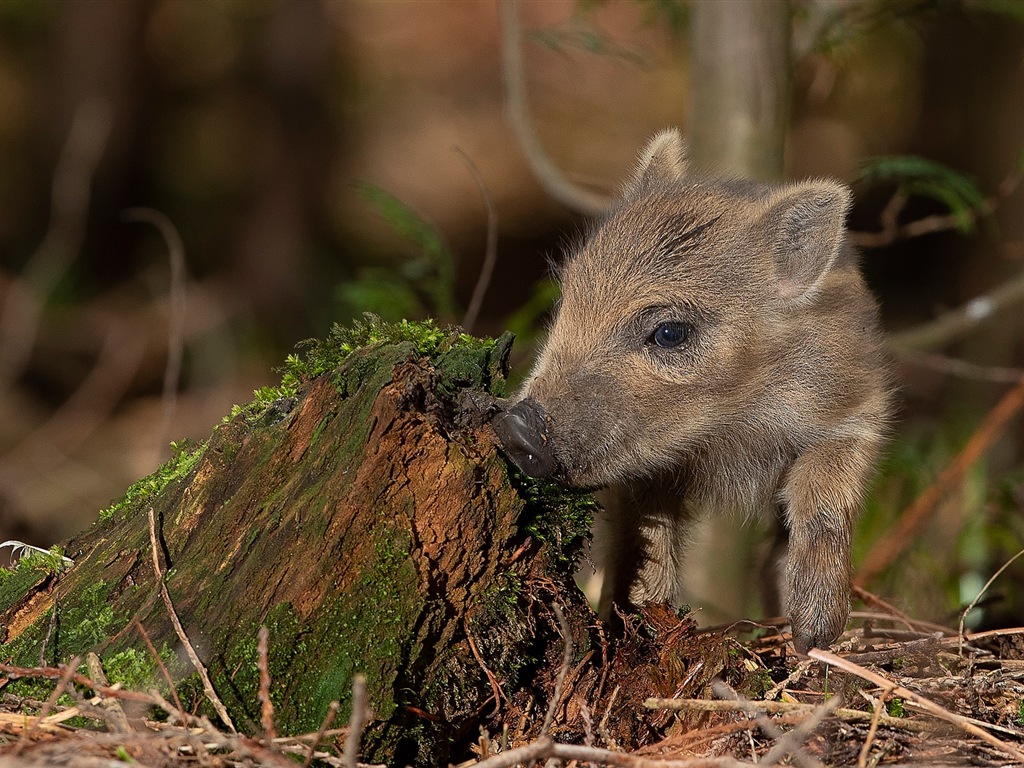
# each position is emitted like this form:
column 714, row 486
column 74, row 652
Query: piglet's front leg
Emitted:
column 822, row 496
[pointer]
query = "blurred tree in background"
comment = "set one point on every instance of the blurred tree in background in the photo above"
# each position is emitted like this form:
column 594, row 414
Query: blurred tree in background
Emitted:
column 305, row 154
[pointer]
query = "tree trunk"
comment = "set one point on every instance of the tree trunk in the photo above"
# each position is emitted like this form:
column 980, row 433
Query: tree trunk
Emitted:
column 740, row 92
column 739, row 108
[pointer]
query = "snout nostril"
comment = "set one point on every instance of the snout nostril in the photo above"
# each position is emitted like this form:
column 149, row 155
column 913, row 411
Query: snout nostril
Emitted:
column 521, row 431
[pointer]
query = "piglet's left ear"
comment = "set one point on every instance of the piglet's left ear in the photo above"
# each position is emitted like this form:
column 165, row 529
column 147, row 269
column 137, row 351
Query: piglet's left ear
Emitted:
column 662, row 160
column 804, row 224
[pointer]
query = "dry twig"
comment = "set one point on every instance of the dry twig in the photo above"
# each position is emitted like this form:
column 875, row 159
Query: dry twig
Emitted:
column 559, row 187
column 490, row 254
column 176, row 320
column 544, row 748
column 974, row 602
column 925, row 704
column 499, row 694
column 876, row 716
column 332, row 712
column 69, row 208
column 66, row 676
column 886, row 550
column 159, row 663
column 114, row 715
column 356, row 722
column 566, row 661
column 780, row 707
column 211, row 694
column 266, row 705
column 958, row 322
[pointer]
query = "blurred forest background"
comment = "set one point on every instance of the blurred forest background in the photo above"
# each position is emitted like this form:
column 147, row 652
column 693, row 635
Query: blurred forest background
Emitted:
column 313, row 158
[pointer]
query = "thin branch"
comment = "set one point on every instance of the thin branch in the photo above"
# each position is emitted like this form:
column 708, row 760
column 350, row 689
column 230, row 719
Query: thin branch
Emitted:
column 974, row 602
column 556, row 697
column 115, row 718
column 356, row 721
column 176, row 319
column 211, row 694
column 770, row 729
column 490, row 254
column 956, row 323
column 876, row 716
column 872, row 599
column 69, row 207
column 780, row 707
column 892, row 230
column 89, row 406
column 499, row 695
column 886, row 550
column 554, row 182
column 332, row 712
column 964, row 369
column 66, row 675
column 266, row 705
column 791, row 742
column 544, row 748
column 926, row 704
column 159, row 663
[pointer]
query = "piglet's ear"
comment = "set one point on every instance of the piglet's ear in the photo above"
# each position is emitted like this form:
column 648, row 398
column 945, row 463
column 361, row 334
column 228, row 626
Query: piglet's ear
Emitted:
column 663, row 159
column 804, row 224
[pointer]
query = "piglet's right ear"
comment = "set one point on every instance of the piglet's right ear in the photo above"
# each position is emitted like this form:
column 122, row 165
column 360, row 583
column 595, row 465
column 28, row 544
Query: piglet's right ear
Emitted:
column 663, row 159
column 805, row 225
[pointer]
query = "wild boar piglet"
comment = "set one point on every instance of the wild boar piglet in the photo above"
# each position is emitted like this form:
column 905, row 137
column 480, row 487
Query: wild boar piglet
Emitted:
column 715, row 350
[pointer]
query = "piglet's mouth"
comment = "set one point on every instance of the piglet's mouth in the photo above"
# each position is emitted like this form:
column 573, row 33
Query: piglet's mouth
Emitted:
column 523, row 432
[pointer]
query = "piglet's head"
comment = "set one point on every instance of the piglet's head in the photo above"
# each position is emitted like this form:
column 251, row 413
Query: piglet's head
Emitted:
column 673, row 313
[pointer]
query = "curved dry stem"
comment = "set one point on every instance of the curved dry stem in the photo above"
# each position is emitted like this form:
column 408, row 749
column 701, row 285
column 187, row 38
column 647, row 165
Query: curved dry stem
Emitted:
column 552, row 179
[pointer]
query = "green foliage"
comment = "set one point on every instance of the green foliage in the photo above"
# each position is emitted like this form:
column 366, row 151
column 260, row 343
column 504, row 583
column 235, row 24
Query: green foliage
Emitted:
column 1011, row 8
column 52, row 562
column 423, row 285
column 925, row 178
column 178, row 466
column 582, row 34
column 894, row 707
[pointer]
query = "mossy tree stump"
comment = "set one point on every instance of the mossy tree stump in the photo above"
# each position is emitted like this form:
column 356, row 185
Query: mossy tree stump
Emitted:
column 361, row 513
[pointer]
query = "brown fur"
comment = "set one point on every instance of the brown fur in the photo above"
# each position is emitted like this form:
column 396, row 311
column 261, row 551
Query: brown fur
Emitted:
column 777, row 397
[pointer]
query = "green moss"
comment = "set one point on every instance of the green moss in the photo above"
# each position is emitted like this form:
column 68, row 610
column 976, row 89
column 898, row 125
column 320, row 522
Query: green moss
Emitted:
column 30, row 569
column 320, row 428
column 136, row 669
column 894, row 707
column 139, row 493
column 79, row 627
column 558, row 516
column 756, row 684
column 502, row 600
column 462, row 359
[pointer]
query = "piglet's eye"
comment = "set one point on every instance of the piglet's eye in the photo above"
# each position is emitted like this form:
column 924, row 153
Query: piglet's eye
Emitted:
column 669, row 335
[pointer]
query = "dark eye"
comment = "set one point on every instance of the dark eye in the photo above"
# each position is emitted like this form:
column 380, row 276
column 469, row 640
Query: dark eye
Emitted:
column 669, row 335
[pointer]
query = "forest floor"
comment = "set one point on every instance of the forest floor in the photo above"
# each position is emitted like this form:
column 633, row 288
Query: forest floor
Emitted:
column 892, row 691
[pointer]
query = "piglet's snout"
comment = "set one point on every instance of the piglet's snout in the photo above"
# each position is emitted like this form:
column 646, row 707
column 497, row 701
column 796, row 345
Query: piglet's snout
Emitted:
column 522, row 431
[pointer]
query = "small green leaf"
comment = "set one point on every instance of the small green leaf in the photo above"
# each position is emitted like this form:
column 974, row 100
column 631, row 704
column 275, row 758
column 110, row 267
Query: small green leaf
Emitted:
column 919, row 176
